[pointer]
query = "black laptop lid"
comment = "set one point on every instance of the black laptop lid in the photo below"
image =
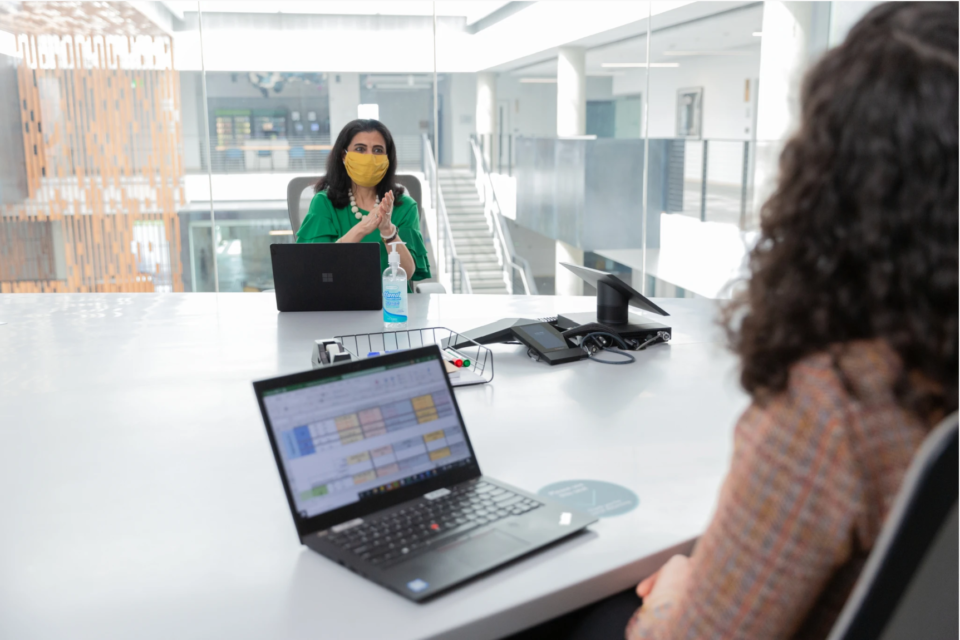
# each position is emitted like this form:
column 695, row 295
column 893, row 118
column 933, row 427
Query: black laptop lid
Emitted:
column 327, row 276
column 354, row 438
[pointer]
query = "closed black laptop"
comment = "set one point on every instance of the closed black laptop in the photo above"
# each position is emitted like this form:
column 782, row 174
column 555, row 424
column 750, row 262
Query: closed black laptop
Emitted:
column 381, row 477
column 327, row 276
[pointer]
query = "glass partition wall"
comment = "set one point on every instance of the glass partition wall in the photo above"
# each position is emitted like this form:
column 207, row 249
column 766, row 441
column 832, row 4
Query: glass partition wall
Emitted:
column 273, row 90
column 700, row 132
column 150, row 146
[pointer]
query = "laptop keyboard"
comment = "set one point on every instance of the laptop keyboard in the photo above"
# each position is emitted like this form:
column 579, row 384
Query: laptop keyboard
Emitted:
column 405, row 531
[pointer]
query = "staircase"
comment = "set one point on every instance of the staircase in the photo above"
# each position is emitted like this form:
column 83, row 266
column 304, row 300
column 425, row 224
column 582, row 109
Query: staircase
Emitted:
column 472, row 237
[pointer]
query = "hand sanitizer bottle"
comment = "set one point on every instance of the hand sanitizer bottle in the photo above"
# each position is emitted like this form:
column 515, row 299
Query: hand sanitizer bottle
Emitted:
column 394, row 291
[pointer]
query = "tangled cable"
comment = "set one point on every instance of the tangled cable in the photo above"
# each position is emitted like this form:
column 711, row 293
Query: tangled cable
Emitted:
column 596, row 337
column 598, row 341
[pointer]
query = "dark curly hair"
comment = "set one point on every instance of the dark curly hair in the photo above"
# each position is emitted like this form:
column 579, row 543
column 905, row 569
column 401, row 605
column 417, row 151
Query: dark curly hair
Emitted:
column 337, row 183
column 859, row 240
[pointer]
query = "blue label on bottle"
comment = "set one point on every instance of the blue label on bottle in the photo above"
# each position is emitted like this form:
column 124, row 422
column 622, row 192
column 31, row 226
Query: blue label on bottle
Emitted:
column 392, row 299
column 393, row 317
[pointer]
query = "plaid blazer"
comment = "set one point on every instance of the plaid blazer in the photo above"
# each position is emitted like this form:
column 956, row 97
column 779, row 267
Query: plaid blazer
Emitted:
column 814, row 473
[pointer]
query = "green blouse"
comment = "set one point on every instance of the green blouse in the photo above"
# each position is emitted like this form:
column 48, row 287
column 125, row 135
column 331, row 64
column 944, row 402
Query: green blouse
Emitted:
column 326, row 223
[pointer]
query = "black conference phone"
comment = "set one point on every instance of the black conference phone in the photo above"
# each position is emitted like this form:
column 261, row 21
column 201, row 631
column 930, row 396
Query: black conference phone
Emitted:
column 549, row 343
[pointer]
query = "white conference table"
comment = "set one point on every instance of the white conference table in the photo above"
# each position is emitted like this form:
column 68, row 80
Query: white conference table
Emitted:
column 141, row 499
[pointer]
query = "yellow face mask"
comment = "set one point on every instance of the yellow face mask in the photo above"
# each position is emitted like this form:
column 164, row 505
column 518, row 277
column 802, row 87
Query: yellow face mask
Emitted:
column 366, row 169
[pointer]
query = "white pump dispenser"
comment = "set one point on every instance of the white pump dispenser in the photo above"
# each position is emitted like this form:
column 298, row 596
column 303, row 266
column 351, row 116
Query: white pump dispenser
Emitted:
column 394, row 291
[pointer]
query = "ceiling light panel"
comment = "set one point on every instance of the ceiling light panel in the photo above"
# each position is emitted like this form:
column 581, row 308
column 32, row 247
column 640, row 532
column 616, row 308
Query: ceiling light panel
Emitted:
column 679, row 54
column 640, row 65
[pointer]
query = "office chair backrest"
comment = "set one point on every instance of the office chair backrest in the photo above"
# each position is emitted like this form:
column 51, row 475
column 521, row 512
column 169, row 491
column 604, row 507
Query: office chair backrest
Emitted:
column 300, row 193
column 908, row 587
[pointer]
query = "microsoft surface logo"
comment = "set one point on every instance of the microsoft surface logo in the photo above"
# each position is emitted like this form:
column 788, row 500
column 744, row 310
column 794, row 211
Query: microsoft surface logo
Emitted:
column 327, row 277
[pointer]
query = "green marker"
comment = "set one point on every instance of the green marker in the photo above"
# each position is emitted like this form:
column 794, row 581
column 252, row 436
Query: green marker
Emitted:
column 455, row 357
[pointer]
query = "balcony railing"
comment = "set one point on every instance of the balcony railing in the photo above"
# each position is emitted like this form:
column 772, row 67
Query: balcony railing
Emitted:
column 713, row 180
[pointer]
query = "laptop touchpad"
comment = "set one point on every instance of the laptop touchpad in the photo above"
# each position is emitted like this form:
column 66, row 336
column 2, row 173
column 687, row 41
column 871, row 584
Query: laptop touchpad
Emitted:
column 485, row 549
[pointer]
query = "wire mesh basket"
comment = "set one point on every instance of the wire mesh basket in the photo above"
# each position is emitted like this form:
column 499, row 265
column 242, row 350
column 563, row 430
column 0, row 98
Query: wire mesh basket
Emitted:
column 454, row 346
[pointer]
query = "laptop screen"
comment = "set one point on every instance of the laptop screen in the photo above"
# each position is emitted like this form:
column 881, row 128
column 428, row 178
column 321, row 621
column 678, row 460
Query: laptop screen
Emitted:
column 346, row 438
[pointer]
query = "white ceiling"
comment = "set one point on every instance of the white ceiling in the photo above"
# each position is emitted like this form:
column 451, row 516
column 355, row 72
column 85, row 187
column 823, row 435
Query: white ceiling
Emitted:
column 524, row 43
column 728, row 32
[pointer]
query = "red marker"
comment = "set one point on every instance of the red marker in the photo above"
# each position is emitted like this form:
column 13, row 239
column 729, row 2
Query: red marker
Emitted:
column 453, row 358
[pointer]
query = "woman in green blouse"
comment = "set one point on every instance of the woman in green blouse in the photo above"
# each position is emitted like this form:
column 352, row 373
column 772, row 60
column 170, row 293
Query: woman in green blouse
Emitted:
column 357, row 201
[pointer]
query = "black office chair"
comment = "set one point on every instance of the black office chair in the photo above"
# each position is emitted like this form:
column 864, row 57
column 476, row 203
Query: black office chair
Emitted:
column 908, row 587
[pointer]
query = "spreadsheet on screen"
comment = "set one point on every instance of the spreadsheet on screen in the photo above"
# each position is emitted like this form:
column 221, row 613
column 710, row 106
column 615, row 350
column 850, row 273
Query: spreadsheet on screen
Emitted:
column 346, row 438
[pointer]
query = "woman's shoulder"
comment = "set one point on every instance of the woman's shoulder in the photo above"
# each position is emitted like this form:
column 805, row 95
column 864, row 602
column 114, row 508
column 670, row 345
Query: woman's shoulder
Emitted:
column 323, row 202
column 322, row 199
column 865, row 369
column 840, row 423
column 824, row 387
column 406, row 211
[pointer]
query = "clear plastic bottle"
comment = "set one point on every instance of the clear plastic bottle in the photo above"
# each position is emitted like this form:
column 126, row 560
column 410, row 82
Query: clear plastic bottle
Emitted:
column 394, row 291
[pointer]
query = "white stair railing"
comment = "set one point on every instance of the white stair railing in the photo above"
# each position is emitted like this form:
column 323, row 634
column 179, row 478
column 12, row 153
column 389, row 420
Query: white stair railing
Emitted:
column 507, row 257
column 451, row 271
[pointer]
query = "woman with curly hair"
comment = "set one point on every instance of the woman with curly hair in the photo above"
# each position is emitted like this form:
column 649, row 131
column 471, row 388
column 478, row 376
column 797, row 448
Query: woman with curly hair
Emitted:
column 847, row 336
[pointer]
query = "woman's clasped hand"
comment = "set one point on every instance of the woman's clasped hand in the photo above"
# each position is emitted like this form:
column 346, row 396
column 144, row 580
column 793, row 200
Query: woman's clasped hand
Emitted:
column 384, row 215
column 380, row 217
column 370, row 222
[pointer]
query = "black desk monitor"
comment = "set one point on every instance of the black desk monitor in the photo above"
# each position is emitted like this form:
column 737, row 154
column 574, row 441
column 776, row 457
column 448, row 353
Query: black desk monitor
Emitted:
column 327, row 276
column 614, row 296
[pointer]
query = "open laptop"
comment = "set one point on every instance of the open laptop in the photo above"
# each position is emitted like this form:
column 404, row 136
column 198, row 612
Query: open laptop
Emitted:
column 380, row 476
column 327, row 276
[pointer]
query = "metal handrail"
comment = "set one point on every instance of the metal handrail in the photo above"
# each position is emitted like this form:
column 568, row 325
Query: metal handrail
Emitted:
column 494, row 213
column 446, row 235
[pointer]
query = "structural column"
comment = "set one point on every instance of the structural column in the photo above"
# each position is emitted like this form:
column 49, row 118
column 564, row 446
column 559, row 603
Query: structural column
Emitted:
column 571, row 121
column 571, row 92
column 487, row 115
column 344, row 95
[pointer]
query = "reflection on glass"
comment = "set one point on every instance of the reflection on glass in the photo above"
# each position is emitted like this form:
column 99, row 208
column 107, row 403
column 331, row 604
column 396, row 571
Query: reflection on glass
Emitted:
column 240, row 245
column 701, row 76
column 528, row 139
column 259, row 122
column 274, row 111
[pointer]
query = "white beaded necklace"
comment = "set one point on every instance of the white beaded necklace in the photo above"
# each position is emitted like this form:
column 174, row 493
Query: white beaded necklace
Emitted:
column 355, row 209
